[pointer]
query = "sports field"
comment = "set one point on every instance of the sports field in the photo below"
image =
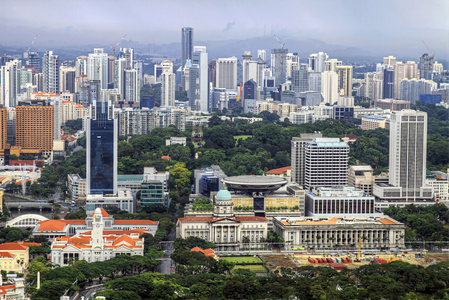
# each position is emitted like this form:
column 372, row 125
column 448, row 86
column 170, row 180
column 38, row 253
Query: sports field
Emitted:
column 253, row 268
column 242, row 259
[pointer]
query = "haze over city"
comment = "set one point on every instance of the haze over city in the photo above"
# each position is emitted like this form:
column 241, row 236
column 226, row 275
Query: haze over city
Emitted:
column 369, row 28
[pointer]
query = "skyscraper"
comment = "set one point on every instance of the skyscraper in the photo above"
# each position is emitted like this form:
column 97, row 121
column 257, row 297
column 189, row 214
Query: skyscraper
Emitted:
column 97, row 67
column 300, row 79
column 187, row 45
column 35, row 123
column 50, row 68
column 329, row 86
column 317, row 61
column 292, row 63
column 426, row 67
column 200, row 60
column 67, row 79
column 10, row 83
column 344, row 80
column 226, row 74
column 279, row 65
column 298, row 157
column 326, row 163
column 388, row 83
column 101, row 149
column 408, row 151
column 168, row 85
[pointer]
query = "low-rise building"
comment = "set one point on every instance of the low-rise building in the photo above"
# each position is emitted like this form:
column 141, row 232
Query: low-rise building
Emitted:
column 95, row 245
column 153, row 193
column 373, row 122
column 208, row 180
column 392, row 104
column 15, row 256
column 223, row 228
column 334, row 232
column 59, row 228
column 123, row 200
column 176, row 140
column 339, row 201
column 361, row 177
column 15, row 290
column 285, row 172
column 439, row 182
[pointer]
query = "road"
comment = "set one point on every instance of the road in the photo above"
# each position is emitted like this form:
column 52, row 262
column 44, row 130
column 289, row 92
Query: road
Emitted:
column 166, row 267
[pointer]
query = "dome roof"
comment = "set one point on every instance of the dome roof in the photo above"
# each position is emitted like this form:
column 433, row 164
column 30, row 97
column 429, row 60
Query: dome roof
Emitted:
column 223, row 195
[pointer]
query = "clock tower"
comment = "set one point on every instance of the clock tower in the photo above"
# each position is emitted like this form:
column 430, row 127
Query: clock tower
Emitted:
column 97, row 230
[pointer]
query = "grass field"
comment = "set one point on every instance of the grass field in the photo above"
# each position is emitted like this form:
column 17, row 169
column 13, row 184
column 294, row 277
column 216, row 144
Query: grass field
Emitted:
column 241, row 259
column 253, row 268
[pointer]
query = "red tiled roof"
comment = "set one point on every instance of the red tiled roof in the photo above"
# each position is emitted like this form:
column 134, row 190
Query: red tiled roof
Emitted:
column 17, row 246
column 137, row 222
column 103, row 213
column 57, row 225
column 195, row 219
column 119, row 232
column 207, row 252
column 6, row 254
column 165, row 157
column 279, row 171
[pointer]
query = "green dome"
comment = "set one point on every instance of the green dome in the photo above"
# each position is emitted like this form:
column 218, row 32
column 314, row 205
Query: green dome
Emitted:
column 223, row 195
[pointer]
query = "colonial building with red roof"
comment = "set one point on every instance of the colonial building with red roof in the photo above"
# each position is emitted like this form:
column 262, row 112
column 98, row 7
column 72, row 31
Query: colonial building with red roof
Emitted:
column 223, row 228
column 58, row 228
column 97, row 244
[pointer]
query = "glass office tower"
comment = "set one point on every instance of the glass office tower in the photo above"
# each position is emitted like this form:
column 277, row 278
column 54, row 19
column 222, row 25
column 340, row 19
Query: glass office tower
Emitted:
column 101, row 154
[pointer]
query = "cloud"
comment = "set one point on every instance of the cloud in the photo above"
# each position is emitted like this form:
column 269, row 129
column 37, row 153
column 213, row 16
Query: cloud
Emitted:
column 229, row 26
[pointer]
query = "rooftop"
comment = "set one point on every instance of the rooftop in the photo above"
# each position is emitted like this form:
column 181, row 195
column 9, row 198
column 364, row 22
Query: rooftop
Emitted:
column 338, row 221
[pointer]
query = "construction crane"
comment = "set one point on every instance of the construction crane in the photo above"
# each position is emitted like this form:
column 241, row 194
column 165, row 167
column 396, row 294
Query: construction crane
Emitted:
column 358, row 250
column 31, row 44
column 430, row 51
column 279, row 41
column 117, row 44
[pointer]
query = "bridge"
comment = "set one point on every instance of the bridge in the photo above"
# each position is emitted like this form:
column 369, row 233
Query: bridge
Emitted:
column 26, row 221
column 26, row 205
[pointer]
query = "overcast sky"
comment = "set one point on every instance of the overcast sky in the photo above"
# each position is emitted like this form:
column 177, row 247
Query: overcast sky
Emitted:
column 360, row 23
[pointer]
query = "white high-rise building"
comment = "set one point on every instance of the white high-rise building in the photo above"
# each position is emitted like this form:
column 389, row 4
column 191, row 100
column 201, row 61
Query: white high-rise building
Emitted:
column 227, row 73
column 50, row 69
column 292, row 63
column 10, row 83
column 97, row 67
column 298, row 156
column 407, row 162
column 329, row 86
column 411, row 89
column 168, row 80
column 200, row 59
column 332, row 64
column 317, row 61
column 262, row 54
column 326, row 163
column 314, row 81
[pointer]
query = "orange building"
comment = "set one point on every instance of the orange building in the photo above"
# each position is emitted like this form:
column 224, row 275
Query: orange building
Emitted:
column 3, row 127
column 35, row 125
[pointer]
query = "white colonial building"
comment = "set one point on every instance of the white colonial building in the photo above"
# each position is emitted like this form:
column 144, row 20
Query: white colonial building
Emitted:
column 59, row 228
column 223, row 228
column 96, row 245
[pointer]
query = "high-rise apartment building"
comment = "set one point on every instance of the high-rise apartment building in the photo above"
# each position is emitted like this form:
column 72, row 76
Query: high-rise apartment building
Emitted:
column 298, row 156
column 426, row 67
column 344, row 80
column 187, row 44
column 50, row 69
column 389, row 60
column 200, row 63
column 101, row 149
column 67, row 79
column 388, row 83
column 326, row 163
column 412, row 89
column 10, row 83
column 279, row 65
column 317, row 62
column 168, row 86
column 3, row 128
column 314, row 80
column 97, row 67
column 332, row 64
column 300, row 79
column 226, row 76
column 35, row 125
column 329, row 86
column 292, row 63
column 32, row 59
column 80, row 66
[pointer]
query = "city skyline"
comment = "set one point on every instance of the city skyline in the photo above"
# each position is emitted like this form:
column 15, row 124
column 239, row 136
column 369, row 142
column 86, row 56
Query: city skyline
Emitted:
column 370, row 26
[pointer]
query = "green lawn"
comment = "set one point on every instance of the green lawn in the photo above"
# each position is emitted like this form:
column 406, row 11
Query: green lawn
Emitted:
column 241, row 259
column 243, row 137
column 253, row 268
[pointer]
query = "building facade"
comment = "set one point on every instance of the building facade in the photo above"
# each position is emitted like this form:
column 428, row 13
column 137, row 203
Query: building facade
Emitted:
column 298, row 156
column 361, row 177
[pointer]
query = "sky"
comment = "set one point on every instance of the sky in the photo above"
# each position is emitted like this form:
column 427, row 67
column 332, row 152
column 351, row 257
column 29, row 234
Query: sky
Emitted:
column 379, row 24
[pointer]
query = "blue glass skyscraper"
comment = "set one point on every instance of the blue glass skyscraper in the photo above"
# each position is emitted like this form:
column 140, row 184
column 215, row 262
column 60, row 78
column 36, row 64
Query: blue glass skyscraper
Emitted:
column 101, row 154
